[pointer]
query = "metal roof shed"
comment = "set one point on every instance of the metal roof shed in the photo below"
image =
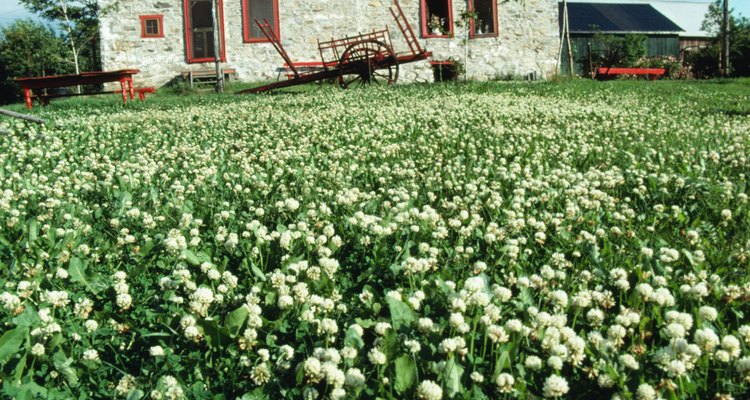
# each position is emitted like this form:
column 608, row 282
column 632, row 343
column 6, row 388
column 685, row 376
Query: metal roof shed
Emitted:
column 587, row 19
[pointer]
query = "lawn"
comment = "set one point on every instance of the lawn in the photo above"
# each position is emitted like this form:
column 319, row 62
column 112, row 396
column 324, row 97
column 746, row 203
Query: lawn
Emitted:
column 468, row 241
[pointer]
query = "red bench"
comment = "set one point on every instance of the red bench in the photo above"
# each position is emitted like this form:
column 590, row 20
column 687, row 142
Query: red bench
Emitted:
column 124, row 76
column 611, row 72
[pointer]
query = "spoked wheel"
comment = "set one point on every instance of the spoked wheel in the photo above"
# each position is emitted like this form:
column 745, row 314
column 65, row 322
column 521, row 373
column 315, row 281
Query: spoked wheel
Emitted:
column 366, row 62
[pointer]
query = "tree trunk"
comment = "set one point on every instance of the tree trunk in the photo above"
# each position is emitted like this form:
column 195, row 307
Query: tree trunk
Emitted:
column 64, row 8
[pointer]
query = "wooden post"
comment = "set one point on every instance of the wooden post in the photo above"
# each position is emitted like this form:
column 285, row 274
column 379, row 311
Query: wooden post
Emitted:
column 567, row 39
column 725, row 41
column 217, row 46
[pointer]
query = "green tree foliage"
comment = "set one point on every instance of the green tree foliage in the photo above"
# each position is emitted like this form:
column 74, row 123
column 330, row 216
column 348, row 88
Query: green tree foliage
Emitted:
column 28, row 48
column 705, row 62
column 619, row 50
column 79, row 20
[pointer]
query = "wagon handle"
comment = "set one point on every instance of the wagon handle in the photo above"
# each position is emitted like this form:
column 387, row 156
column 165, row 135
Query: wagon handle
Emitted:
column 265, row 28
column 406, row 30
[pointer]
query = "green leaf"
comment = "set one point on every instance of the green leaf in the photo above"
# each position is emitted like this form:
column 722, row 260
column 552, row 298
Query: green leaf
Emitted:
column 502, row 362
column 31, row 390
column 63, row 365
column 136, row 394
column 11, row 342
column 452, row 375
column 235, row 319
column 258, row 273
column 353, row 339
column 215, row 336
column 77, row 272
column 190, row 257
column 401, row 313
column 406, row 373
column 33, row 231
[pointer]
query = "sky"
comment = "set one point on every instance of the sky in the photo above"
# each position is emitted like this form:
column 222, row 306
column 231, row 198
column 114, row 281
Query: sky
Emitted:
column 10, row 10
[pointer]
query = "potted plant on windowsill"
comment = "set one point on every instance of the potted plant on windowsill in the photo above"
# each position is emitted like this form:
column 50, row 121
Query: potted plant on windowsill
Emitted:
column 437, row 25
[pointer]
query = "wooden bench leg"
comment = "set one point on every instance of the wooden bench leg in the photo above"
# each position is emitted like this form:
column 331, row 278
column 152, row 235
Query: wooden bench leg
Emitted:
column 123, row 87
column 27, row 97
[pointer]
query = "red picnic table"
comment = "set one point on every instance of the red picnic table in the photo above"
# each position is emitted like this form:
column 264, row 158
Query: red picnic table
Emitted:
column 124, row 76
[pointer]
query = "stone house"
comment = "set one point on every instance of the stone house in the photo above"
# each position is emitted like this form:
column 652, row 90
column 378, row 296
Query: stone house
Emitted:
column 164, row 38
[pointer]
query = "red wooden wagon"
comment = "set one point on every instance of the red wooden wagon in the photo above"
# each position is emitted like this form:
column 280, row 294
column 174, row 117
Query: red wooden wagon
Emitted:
column 353, row 60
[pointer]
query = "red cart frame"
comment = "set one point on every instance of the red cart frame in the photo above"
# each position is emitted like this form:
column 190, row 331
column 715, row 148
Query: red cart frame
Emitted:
column 353, row 60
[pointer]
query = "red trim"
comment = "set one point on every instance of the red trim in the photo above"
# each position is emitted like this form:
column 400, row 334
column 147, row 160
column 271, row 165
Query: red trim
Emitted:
column 473, row 35
column 424, row 18
column 159, row 18
column 188, row 39
column 246, row 23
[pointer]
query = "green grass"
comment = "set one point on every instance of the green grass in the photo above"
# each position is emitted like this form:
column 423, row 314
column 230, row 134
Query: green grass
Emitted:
column 465, row 240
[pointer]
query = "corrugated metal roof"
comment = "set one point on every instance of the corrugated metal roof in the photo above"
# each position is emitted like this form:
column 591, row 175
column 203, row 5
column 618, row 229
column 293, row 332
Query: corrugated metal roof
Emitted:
column 617, row 18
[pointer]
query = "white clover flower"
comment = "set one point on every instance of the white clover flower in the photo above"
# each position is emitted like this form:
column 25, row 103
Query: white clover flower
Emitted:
column 91, row 325
column 354, row 378
column 124, row 301
column 731, row 345
column 533, row 363
column 646, row 392
column 628, row 361
column 497, row 334
column 429, row 390
column 37, row 350
column 376, row 357
column 708, row 313
column 382, row 327
column 313, row 370
column 505, row 382
column 156, row 351
column 555, row 362
column 91, row 355
column 555, row 386
column 57, row 298
column 477, row 377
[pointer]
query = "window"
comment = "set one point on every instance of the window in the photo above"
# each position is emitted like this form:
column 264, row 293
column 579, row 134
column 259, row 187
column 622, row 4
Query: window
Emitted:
column 261, row 10
column 485, row 22
column 437, row 18
column 152, row 26
column 199, row 30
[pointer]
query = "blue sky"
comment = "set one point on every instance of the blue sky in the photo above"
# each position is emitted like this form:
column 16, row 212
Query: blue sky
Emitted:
column 10, row 10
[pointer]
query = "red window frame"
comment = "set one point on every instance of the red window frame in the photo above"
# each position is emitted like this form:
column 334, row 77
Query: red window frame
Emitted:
column 188, row 39
column 426, row 32
column 473, row 35
column 246, row 23
column 160, row 21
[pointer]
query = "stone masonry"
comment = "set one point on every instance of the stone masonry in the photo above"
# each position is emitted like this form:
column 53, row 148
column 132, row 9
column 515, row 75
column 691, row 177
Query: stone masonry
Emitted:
column 527, row 41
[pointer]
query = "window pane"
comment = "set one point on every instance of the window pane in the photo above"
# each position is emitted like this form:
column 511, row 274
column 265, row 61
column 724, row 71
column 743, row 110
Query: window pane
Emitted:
column 203, row 44
column 152, row 27
column 260, row 10
column 485, row 20
column 437, row 16
column 200, row 14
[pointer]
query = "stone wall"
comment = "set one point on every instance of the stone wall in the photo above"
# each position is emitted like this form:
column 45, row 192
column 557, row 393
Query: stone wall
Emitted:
column 527, row 40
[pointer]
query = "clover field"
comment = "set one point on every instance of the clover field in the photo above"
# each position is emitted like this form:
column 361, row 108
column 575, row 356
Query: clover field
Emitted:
column 479, row 241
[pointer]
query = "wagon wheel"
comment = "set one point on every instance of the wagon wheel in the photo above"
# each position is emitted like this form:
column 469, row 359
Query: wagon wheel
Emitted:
column 369, row 61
